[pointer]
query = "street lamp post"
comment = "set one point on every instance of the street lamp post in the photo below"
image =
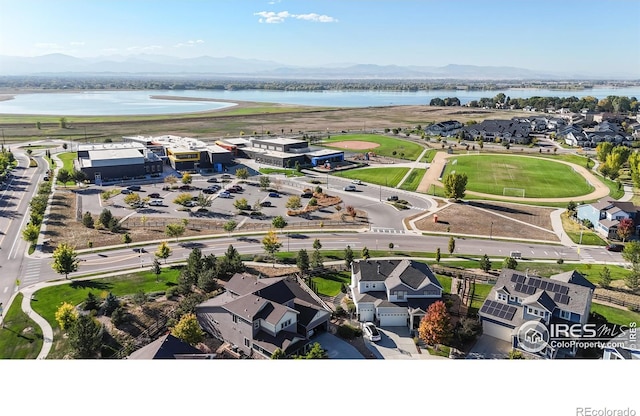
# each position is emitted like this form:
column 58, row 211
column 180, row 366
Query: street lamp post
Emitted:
column 491, row 231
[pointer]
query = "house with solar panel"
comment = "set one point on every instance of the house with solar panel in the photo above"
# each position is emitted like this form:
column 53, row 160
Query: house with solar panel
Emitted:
column 257, row 316
column 519, row 298
column 393, row 292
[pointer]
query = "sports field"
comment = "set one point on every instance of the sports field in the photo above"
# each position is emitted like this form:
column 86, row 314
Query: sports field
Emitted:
column 377, row 176
column 404, row 149
column 539, row 178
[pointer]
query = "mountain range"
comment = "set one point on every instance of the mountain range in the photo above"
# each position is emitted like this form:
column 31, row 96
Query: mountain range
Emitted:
column 160, row 65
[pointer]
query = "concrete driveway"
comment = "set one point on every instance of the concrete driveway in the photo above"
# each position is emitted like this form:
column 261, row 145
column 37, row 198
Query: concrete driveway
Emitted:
column 337, row 348
column 488, row 348
column 397, row 344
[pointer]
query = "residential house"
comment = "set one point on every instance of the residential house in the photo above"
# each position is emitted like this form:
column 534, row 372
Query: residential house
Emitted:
column 444, row 128
column 168, row 347
column 518, row 299
column 393, row 292
column 625, row 346
column 511, row 131
column 258, row 315
column 605, row 215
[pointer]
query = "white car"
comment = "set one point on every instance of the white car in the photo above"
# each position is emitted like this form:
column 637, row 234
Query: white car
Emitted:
column 350, row 188
column 370, row 332
column 357, row 181
column 156, row 202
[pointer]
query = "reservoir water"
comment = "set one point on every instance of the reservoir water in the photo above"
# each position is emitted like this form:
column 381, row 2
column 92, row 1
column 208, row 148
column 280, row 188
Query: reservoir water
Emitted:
column 108, row 103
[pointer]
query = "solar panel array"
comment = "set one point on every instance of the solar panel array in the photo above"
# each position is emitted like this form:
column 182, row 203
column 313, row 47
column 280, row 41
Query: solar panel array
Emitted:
column 518, row 278
column 560, row 298
column 548, row 285
column 522, row 288
column 499, row 310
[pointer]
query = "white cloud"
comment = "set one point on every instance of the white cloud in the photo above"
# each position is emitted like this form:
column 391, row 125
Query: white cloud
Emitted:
column 274, row 2
column 45, row 45
column 76, row 43
column 189, row 43
column 280, row 17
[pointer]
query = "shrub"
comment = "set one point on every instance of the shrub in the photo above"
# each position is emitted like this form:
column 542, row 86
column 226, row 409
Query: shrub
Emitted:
column 560, row 261
column 348, row 332
column 172, row 292
column 313, row 202
column 119, row 316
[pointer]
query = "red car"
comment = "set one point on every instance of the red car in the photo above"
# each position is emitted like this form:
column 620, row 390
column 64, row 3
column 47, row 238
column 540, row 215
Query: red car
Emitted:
column 615, row 247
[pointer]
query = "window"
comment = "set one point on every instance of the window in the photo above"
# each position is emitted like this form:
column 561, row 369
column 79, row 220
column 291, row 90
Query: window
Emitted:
column 247, row 342
column 400, row 295
column 565, row 315
column 235, row 319
column 502, row 297
column 256, row 324
column 285, row 324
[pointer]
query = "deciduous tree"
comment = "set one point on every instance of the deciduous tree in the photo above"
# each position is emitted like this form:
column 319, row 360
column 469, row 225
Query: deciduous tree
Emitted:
column 271, row 244
column 455, row 185
column 452, row 245
column 66, row 315
column 625, row 229
column 279, row 222
column 485, row 263
column 302, row 261
column 294, row 202
column 605, row 277
column 174, row 230
column 163, row 251
column 65, row 260
column 229, row 226
column 242, row 173
column 188, row 329
column 265, row 182
column 348, row 256
column 435, row 326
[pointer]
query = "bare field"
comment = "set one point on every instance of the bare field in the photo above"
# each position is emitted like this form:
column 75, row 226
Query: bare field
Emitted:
column 492, row 219
column 246, row 117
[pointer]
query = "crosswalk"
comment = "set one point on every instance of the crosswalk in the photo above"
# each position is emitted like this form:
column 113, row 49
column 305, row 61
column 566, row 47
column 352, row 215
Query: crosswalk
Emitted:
column 386, row 230
column 31, row 273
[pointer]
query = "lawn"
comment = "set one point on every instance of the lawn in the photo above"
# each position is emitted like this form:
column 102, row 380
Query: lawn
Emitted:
column 428, row 157
column 404, row 149
column 414, row 179
column 539, row 177
column 480, row 293
column 20, row 336
column 573, row 230
column 67, row 164
column 287, row 172
column 615, row 315
column 377, row 176
column 615, row 191
column 330, row 284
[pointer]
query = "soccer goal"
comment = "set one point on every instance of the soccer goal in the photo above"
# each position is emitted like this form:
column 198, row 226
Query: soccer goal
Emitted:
column 473, row 152
column 519, row 192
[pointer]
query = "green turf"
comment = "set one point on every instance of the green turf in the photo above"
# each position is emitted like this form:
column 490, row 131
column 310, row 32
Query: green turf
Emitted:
column 330, row 284
column 414, row 179
column 539, row 177
column 287, row 172
column 20, row 336
column 404, row 149
column 378, row 176
column 615, row 315
column 428, row 157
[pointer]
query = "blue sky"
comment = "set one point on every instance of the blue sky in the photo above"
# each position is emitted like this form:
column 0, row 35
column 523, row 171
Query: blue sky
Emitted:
column 597, row 37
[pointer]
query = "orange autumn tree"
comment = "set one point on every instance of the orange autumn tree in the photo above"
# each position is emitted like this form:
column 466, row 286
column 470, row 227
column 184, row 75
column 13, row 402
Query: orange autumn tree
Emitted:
column 435, row 326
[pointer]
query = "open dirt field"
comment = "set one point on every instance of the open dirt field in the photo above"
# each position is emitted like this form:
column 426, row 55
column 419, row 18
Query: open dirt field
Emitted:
column 492, row 218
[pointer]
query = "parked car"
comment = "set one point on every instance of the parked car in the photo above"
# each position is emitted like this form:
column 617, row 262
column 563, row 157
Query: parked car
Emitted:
column 357, row 181
column 134, row 188
column 232, row 190
column 274, row 195
column 224, row 195
column 615, row 247
column 154, row 195
column 212, row 180
column 209, row 191
column 238, row 187
column 306, row 195
column 187, row 187
column 156, row 202
column 265, row 203
column 190, row 204
column 350, row 188
column 370, row 332
column 126, row 191
column 226, row 176
column 393, row 198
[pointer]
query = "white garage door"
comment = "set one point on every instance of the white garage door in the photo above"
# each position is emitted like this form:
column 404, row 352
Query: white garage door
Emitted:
column 496, row 331
column 393, row 319
column 366, row 315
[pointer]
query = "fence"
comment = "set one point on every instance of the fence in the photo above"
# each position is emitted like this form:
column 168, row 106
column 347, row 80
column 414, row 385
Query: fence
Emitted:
column 616, row 301
column 462, row 274
column 147, row 335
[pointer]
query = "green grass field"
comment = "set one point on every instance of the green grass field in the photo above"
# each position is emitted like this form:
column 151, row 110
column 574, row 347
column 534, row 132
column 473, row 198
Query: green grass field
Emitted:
column 404, row 149
column 20, row 336
column 540, row 178
column 330, row 284
column 377, row 176
column 414, row 179
column 287, row 172
column 615, row 315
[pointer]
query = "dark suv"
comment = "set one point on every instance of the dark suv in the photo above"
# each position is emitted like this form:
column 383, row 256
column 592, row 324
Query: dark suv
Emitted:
column 393, row 198
column 615, row 247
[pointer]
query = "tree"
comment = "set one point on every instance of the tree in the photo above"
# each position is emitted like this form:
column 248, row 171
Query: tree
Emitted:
column 183, row 198
column 279, row 222
column 297, row 166
column 348, row 256
column 204, row 201
column 63, row 125
column 156, row 268
column 602, row 150
column 485, row 263
column 632, row 280
column 107, row 220
column 241, row 204
column 605, row 277
column 509, row 263
column 79, row 176
column 452, row 245
column 455, row 185
column 187, row 178
column 174, row 230
column 435, row 325
column 271, row 244
column 111, row 302
column 207, row 280
column 316, row 352
column 294, row 202
column 571, row 208
column 438, row 255
column 85, row 337
column 30, row 233
column 302, row 261
column 515, row 355
column 188, row 329
column 365, row 253
column 163, row 251
column 625, row 229
column 631, row 253
column 265, row 182
column 91, row 302
column 66, row 315
column 171, row 180
column 65, row 260
column 87, row 220
column 229, row 226
column 242, row 173
column 63, row 177
column 126, row 239
column 278, row 354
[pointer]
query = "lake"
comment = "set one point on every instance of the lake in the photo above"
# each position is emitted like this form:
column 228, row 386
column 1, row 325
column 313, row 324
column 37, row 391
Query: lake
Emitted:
column 110, row 103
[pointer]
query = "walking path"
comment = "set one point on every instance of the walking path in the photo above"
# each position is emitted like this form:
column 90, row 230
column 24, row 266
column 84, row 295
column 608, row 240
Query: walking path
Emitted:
column 414, row 165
